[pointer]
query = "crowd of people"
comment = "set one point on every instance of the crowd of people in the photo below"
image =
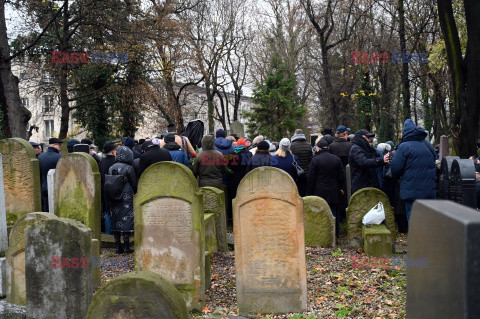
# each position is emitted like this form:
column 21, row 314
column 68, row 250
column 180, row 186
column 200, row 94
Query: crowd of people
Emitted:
column 405, row 173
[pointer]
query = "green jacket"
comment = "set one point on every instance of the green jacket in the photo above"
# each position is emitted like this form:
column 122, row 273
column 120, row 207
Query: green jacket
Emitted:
column 209, row 165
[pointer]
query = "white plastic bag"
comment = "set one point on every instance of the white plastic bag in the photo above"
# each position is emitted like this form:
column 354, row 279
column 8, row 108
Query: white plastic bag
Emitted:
column 375, row 216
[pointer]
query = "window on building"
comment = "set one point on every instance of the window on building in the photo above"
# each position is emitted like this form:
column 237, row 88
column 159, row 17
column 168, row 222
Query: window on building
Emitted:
column 23, row 76
column 47, row 104
column 25, row 102
column 48, row 128
column 47, row 78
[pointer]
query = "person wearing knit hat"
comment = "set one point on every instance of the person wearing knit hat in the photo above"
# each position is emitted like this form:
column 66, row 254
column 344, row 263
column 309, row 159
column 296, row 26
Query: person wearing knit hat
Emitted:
column 255, row 142
column 178, row 155
column 225, row 147
column 241, row 142
column 326, row 178
column 283, row 158
column 261, row 157
column 303, row 150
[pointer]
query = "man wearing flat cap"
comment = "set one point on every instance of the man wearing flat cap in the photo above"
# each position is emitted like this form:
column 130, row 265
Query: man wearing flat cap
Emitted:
column 48, row 161
column 363, row 161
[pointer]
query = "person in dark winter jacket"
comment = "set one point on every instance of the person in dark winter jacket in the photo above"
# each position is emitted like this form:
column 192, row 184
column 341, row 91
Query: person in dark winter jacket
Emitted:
column 71, row 143
column 225, row 147
column 122, row 211
column 37, row 148
column 238, row 163
column 364, row 161
column 326, row 178
column 261, row 157
column 341, row 146
column 414, row 162
column 47, row 161
column 178, row 155
column 284, row 159
column 153, row 155
column 209, row 165
column 109, row 149
column 302, row 149
column 130, row 143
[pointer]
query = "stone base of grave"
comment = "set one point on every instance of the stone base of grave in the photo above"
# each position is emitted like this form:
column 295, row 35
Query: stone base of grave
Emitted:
column 11, row 311
column 377, row 241
column 3, row 277
column 211, row 244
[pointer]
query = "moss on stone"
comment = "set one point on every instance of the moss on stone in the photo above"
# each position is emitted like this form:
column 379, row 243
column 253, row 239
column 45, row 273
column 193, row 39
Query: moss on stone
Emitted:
column 319, row 222
column 360, row 204
column 11, row 219
column 377, row 241
column 210, row 233
column 214, row 202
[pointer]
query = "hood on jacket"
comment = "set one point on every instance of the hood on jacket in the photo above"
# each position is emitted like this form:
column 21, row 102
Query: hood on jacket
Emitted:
column 124, row 155
column 239, row 149
column 299, row 137
column 172, row 146
column 412, row 133
column 223, row 143
column 207, row 143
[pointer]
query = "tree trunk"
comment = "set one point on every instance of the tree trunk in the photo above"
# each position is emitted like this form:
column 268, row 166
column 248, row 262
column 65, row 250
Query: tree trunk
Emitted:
column 406, row 110
column 328, row 85
column 15, row 115
column 64, row 106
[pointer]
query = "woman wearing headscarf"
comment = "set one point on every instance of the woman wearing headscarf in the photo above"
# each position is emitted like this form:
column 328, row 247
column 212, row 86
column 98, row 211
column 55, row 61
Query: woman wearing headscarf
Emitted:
column 122, row 210
column 284, row 158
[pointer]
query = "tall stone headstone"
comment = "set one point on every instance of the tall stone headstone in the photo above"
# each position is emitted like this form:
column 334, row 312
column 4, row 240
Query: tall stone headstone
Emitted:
column 269, row 243
column 58, row 269
column 21, row 176
column 443, row 150
column 142, row 294
column 443, row 272
column 238, row 128
column 360, row 204
column 169, row 229
column 77, row 190
column 445, row 180
column 463, row 175
column 348, row 176
column 51, row 190
column 214, row 202
column 15, row 256
column 319, row 222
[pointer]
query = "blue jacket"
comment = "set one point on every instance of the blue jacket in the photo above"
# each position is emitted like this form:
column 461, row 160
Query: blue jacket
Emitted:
column 414, row 162
column 286, row 164
column 180, row 156
column 223, row 145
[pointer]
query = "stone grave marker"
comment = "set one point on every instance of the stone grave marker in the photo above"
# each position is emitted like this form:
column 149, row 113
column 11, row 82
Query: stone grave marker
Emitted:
column 21, row 176
column 443, row 272
column 319, row 222
column 443, row 149
column 463, row 175
column 169, row 229
column 361, row 202
column 238, row 128
column 269, row 243
column 58, row 269
column 214, row 202
column 77, row 190
column 51, row 190
column 348, row 176
column 15, row 257
column 445, row 180
column 142, row 294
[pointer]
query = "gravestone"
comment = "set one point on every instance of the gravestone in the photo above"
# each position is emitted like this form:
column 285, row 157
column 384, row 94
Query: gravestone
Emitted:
column 214, row 202
column 443, row 149
column 238, row 128
column 169, row 229
column 142, row 294
column 11, row 311
column 463, row 188
column 360, row 204
column 21, row 176
column 445, row 180
column 211, row 244
column 443, row 272
column 348, row 176
column 319, row 222
column 269, row 243
column 58, row 269
column 15, row 257
column 77, row 190
column 51, row 190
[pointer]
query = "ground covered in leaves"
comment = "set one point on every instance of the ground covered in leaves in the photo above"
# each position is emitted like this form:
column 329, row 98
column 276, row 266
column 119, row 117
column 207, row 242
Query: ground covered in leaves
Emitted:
column 342, row 283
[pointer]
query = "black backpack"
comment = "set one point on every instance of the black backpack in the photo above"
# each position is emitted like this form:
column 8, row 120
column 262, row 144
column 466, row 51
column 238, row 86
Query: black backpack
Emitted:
column 114, row 186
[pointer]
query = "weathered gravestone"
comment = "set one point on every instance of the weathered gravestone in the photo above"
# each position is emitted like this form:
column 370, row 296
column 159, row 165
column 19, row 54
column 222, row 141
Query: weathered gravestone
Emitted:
column 463, row 189
column 445, row 180
column 58, row 269
column 443, row 269
column 319, row 222
column 214, row 202
column 361, row 202
column 142, row 294
column 15, row 256
column 443, row 149
column 169, row 229
column 21, row 174
column 238, row 128
column 348, row 176
column 51, row 190
column 269, row 243
column 11, row 311
column 77, row 190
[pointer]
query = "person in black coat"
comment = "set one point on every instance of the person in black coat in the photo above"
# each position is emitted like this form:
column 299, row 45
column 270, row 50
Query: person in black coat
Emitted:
column 261, row 157
column 302, row 149
column 48, row 161
column 130, row 143
column 326, row 178
column 364, row 161
column 109, row 149
column 153, row 155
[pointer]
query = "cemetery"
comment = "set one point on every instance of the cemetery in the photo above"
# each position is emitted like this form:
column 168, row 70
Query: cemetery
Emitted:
column 284, row 260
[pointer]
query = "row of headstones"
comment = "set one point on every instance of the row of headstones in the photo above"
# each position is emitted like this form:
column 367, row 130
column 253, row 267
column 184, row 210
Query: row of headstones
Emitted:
column 457, row 181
